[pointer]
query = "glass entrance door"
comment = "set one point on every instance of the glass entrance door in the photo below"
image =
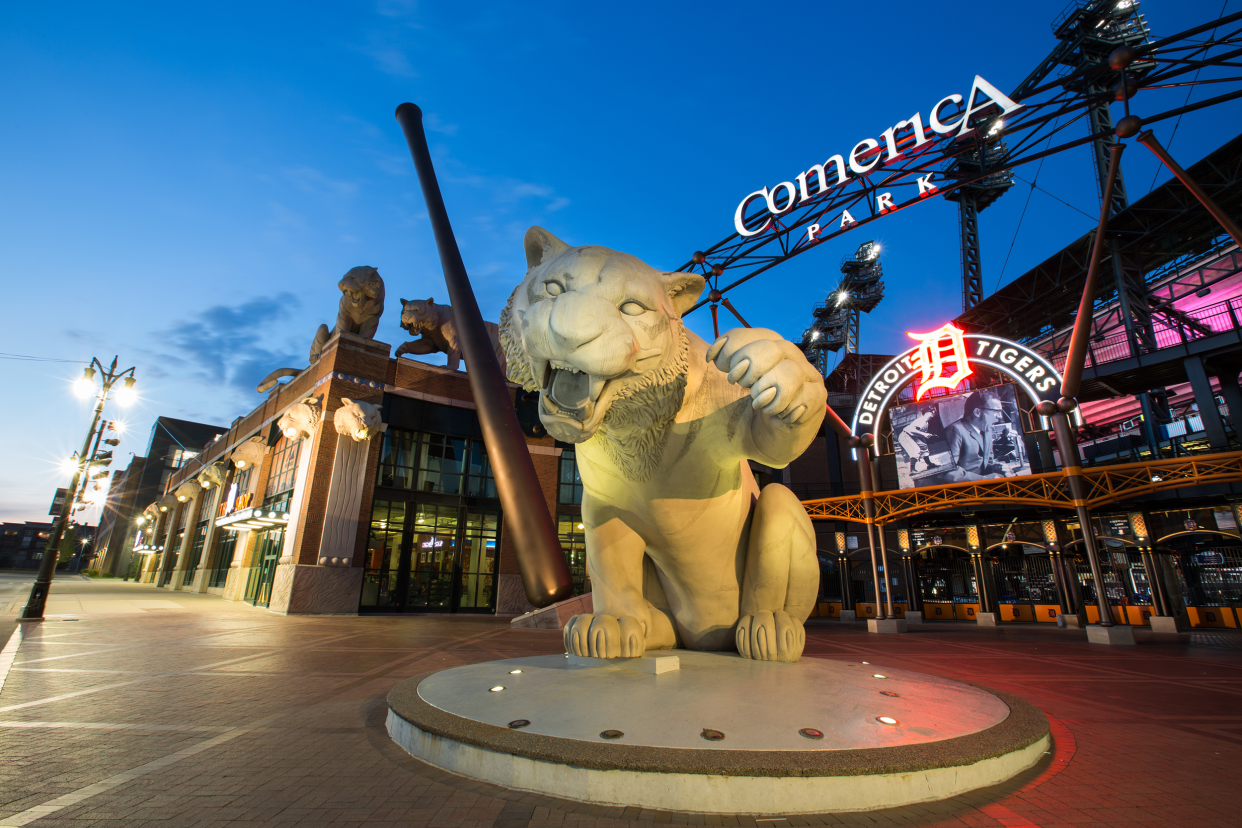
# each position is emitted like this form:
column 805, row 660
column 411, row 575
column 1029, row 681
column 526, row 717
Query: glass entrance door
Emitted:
column 263, row 572
column 173, row 553
column 477, row 562
column 433, row 553
column 429, row 557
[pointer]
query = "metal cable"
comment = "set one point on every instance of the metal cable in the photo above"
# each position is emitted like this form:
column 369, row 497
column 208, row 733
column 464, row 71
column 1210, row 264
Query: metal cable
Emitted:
column 1189, row 92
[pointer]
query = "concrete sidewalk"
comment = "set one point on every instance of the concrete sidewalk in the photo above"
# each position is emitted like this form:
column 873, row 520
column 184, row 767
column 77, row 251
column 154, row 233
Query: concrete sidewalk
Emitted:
column 217, row 714
column 77, row 596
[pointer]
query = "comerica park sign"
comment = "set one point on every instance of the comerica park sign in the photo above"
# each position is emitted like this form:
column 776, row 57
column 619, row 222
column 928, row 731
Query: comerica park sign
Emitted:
column 904, row 138
column 944, row 358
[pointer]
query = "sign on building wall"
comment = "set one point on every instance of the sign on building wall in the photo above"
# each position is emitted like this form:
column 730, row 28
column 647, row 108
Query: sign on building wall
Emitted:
column 974, row 436
column 952, row 118
column 954, row 356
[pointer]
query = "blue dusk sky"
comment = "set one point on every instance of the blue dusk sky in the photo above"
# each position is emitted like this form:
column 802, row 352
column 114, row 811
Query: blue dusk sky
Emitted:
column 184, row 184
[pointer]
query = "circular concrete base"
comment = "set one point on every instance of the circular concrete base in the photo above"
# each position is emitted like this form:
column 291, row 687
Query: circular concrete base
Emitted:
column 721, row 734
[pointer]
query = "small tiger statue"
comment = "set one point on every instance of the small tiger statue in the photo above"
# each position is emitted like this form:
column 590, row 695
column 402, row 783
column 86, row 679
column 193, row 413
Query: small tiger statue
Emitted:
column 438, row 331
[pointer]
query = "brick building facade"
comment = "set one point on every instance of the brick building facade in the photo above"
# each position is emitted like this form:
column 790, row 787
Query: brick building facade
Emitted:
column 428, row 533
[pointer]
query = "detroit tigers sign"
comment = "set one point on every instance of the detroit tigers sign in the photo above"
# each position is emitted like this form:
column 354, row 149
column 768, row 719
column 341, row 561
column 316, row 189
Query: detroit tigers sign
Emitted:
column 952, row 355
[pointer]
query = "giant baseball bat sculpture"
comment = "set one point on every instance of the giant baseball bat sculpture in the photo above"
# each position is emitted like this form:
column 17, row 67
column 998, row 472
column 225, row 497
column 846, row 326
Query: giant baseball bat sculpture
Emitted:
column 545, row 572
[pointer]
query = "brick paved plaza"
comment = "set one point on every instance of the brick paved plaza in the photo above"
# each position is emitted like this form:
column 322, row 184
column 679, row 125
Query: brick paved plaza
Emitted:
column 134, row 706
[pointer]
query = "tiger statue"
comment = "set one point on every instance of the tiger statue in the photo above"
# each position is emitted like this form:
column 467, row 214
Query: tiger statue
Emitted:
column 362, row 304
column 438, row 330
column 356, row 419
column 683, row 549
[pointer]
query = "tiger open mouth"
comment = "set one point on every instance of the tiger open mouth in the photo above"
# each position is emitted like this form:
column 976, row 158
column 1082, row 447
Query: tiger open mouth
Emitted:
column 567, row 392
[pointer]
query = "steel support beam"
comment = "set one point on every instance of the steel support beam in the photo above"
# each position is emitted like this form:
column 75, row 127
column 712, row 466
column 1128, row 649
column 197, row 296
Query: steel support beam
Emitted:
column 868, row 489
column 1067, row 444
column 1101, row 118
column 1149, row 424
column 1232, row 393
column 1209, row 414
column 1132, row 297
column 972, row 260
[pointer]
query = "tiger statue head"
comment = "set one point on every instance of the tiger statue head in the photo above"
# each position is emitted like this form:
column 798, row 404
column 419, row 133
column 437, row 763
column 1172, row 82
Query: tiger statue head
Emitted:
column 213, row 476
column 599, row 335
column 422, row 315
column 362, row 296
column 301, row 419
column 358, row 420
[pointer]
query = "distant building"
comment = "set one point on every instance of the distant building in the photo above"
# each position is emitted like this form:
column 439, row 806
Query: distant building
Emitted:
column 22, row 544
column 173, row 444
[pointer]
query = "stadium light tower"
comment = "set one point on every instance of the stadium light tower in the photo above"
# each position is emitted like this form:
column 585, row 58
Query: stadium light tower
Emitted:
column 836, row 318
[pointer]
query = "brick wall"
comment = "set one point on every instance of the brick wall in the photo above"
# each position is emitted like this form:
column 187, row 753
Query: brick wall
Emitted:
column 366, row 360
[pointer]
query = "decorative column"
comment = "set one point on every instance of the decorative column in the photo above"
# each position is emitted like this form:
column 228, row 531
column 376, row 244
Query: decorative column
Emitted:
column 914, row 595
column 154, row 519
column 1056, row 562
column 168, row 558
column 1071, row 462
column 882, row 623
column 190, row 495
column 1162, row 618
column 332, row 585
column 887, row 580
column 989, row 613
column 848, row 611
column 868, row 499
column 215, row 482
column 300, row 423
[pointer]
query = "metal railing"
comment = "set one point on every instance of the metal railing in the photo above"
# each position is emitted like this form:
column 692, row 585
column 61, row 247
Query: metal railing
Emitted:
column 1169, row 332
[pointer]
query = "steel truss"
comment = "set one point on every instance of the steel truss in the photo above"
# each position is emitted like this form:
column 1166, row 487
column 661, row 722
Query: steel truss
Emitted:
column 1104, row 485
column 1181, row 245
column 1049, row 109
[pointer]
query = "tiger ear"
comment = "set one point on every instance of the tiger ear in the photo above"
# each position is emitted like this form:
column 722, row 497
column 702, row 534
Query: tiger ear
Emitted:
column 346, row 401
column 403, row 301
column 541, row 246
column 430, row 300
column 684, row 289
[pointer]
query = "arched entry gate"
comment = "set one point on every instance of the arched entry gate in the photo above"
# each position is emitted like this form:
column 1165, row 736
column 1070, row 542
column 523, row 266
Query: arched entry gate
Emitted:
column 1208, row 568
column 948, row 583
column 1127, row 583
column 862, row 584
column 1026, row 582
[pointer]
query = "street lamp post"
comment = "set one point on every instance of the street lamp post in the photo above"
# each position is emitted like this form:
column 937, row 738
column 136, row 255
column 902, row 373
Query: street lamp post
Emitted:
column 33, row 610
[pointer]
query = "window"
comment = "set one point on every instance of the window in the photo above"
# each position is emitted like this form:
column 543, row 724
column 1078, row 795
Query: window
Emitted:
column 573, row 542
column 397, row 459
column 383, row 555
column 435, row 463
column 284, row 466
column 571, row 482
column 196, row 550
column 181, row 456
column 478, row 562
column 226, row 548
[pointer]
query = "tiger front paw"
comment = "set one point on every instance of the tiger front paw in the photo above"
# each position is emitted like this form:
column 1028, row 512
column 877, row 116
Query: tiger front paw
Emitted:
column 605, row 636
column 770, row 636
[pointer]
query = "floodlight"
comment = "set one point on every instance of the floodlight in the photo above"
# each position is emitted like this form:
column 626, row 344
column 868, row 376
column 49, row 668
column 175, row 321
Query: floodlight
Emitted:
column 126, row 394
column 85, row 385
